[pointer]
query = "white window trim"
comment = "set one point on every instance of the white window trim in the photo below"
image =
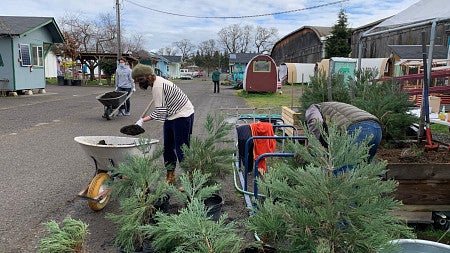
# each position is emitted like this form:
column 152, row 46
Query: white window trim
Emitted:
column 39, row 59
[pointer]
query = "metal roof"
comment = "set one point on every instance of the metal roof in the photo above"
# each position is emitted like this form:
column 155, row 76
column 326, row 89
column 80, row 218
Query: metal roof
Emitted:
column 415, row 51
column 321, row 31
column 419, row 12
column 21, row 25
column 241, row 57
column 172, row 58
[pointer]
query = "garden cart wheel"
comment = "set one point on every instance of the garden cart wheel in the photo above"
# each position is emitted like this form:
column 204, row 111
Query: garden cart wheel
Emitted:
column 108, row 112
column 96, row 187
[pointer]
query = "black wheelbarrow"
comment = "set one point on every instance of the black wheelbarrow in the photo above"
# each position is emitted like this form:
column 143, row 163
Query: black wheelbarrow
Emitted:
column 112, row 102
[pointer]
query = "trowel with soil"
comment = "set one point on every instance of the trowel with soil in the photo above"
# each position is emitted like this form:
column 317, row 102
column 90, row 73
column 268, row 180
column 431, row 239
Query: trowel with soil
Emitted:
column 135, row 129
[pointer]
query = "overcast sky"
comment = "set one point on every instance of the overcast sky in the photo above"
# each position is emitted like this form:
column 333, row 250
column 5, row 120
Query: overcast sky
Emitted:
column 166, row 21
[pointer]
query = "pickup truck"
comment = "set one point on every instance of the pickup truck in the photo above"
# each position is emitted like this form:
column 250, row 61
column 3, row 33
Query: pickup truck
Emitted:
column 185, row 74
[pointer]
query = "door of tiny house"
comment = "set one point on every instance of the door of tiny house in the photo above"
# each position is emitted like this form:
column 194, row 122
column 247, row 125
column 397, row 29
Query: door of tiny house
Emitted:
column 344, row 66
column 260, row 75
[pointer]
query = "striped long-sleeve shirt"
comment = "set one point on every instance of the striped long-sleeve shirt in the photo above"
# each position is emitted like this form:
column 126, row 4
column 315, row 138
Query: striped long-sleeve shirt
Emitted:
column 170, row 101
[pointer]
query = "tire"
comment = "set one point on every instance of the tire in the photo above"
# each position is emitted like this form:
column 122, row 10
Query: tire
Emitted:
column 108, row 111
column 96, row 186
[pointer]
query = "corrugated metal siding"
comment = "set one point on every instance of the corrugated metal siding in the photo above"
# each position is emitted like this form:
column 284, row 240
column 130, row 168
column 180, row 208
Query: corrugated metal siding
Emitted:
column 377, row 46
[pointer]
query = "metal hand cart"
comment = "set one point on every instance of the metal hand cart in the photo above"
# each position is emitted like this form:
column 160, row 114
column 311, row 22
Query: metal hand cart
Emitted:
column 242, row 165
column 112, row 102
column 107, row 152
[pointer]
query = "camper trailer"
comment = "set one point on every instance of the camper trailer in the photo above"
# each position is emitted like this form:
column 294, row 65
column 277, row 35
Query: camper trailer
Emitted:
column 291, row 73
column 261, row 75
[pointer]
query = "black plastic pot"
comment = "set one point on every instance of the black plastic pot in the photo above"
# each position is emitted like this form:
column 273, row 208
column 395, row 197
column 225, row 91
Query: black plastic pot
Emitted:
column 163, row 204
column 60, row 80
column 76, row 82
column 146, row 248
column 68, row 82
column 214, row 205
column 263, row 249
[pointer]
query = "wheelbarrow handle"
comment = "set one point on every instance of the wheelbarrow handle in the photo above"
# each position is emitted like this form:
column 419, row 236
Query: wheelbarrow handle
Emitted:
column 146, row 109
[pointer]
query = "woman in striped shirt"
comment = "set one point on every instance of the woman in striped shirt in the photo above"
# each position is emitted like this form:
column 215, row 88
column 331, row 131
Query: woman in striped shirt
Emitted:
column 172, row 107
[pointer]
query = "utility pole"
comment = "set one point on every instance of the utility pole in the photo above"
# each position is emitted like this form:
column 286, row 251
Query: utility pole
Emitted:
column 119, row 44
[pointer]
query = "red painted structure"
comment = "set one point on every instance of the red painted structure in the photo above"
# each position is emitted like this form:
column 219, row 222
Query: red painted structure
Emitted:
column 260, row 75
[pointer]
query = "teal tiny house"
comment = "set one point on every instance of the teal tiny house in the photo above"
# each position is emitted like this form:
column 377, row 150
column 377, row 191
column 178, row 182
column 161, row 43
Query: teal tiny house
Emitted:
column 24, row 43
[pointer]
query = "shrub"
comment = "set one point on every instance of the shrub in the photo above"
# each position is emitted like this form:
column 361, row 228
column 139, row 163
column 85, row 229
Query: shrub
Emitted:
column 192, row 231
column 310, row 209
column 385, row 100
column 69, row 238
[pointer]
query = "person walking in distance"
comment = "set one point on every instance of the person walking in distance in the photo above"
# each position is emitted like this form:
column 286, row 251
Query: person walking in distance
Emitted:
column 124, row 82
column 173, row 107
column 215, row 76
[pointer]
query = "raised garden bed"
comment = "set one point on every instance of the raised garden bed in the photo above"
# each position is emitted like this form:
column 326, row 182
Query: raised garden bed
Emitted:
column 423, row 177
column 292, row 116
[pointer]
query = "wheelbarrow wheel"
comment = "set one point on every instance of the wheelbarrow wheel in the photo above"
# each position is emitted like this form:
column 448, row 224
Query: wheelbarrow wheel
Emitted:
column 97, row 186
column 108, row 111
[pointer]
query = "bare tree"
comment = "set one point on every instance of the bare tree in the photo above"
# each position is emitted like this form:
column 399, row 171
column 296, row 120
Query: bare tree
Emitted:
column 133, row 43
column 207, row 50
column 167, row 51
column 207, row 47
column 265, row 38
column 95, row 36
column 106, row 32
column 186, row 47
column 228, row 37
column 245, row 39
column 235, row 38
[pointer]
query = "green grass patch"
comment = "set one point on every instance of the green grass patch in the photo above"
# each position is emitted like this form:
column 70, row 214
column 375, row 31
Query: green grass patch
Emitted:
column 290, row 96
column 51, row 80
column 439, row 128
column 428, row 232
column 54, row 81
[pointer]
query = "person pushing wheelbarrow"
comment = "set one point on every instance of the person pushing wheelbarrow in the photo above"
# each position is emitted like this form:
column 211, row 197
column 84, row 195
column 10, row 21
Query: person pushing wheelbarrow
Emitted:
column 172, row 107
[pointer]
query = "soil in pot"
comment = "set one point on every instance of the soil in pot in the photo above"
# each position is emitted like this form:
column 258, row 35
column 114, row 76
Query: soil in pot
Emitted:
column 145, row 248
column 163, row 204
column 264, row 249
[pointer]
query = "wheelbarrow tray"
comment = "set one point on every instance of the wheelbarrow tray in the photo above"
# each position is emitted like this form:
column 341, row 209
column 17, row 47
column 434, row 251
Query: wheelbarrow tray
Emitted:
column 109, row 151
column 113, row 99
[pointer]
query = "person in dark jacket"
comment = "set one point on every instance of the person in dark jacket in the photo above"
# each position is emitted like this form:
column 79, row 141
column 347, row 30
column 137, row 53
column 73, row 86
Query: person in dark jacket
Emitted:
column 346, row 116
column 215, row 76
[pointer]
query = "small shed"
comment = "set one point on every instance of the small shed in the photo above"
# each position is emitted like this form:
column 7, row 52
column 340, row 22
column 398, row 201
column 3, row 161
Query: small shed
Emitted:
column 174, row 65
column 24, row 43
column 347, row 66
column 295, row 72
column 260, row 75
column 162, row 66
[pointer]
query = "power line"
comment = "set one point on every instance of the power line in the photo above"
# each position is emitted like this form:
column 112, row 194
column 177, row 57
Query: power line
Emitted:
column 237, row 17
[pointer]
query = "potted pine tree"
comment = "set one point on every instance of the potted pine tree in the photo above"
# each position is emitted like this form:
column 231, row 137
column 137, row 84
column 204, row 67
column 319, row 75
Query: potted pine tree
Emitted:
column 196, row 186
column 310, row 209
column 193, row 231
column 210, row 156
column 141, row 192
column 67, row 238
